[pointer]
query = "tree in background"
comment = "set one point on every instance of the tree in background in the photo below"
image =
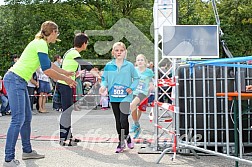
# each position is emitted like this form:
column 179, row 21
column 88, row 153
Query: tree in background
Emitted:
column 21, row 19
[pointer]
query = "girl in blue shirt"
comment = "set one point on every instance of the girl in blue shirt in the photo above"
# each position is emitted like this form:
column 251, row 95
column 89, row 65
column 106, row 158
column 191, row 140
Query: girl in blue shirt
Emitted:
column 144, row 86
column 121, row 78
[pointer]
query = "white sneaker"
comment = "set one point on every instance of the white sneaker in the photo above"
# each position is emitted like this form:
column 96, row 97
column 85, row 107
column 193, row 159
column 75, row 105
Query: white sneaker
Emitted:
column 1, row 114
column 12, row 163
column 8, row 112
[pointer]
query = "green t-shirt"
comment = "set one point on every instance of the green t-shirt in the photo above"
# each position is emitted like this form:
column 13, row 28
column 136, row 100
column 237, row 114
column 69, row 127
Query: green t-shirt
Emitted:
column 29, row 60
column 69, row 64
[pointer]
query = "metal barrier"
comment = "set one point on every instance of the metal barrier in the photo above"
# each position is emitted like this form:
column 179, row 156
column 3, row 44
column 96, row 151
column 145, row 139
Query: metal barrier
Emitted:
column 209, row 116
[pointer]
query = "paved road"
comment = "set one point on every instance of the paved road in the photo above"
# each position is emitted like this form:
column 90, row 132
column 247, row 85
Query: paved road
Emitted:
column 97, row 130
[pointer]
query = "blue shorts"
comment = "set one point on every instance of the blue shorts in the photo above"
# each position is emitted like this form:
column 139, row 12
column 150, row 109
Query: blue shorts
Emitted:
column 44, row 87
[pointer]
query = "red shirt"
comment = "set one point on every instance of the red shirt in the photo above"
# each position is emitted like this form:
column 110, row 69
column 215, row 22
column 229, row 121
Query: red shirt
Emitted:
column 2, row 88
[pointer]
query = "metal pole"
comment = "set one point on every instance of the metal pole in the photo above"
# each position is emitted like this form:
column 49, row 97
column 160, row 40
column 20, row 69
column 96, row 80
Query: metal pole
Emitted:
column 217, row 19
column 155, row 16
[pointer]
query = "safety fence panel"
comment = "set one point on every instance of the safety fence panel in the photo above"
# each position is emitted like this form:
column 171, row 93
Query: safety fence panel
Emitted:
column 214, row 111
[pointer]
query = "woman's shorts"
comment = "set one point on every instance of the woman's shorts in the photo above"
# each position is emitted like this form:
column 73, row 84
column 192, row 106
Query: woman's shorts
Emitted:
column 44, row 87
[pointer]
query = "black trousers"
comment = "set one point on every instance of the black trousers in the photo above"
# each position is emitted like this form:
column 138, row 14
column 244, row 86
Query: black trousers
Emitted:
column 31, row 92
column 121, row 112
column 67, row 106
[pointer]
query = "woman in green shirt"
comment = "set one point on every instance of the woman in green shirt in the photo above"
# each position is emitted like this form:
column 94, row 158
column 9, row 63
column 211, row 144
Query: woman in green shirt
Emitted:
column 15, row 80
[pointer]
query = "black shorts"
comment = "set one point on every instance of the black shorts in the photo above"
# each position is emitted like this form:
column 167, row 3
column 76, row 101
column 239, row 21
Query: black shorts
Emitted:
column 141, row 96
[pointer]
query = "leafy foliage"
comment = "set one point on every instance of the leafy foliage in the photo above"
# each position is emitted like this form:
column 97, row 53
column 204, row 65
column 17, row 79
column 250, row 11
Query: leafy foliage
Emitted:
column 21, row 20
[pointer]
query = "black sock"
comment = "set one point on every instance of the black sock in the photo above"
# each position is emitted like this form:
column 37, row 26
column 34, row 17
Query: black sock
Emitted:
column 128, row 139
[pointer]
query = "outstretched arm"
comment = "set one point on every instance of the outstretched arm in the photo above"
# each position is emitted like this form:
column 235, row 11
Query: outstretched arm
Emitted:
column 49, row 69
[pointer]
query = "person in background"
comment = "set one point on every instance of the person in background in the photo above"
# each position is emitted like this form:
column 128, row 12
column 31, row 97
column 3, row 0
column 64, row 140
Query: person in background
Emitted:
column 145, row 85
column 151, row 97
column 15, row 80
column 78, row 90
column 57, row 60
column 32, row 84
column 120, row 78
column 44, row 89
column 151, row 66
column 14, row 58
column 104, row 101
column 5, row 107
column 152, row 93
column 56, row 95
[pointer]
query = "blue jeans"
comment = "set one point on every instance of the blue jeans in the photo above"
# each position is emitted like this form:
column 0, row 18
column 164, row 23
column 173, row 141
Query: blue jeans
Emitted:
column 21, row 114
column 5, row 104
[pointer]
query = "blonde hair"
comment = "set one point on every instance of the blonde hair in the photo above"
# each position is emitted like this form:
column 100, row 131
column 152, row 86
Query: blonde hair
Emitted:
column 119, row 44
column 46, row 29
column 145, row 59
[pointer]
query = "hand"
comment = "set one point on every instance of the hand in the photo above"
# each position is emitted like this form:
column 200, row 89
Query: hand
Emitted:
column 69, row 73
column 81, row 72
column 249, row 87
column 129, row 91
column 71, row 82
column 102, row 90
column 99, row 78
column 95, row 72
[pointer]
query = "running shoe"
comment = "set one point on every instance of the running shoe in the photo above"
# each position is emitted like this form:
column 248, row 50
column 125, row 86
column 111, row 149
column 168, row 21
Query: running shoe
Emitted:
column 120, row 148
column 134, row 127
column 12, row 163
column 137, row 133
column 129, row 142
